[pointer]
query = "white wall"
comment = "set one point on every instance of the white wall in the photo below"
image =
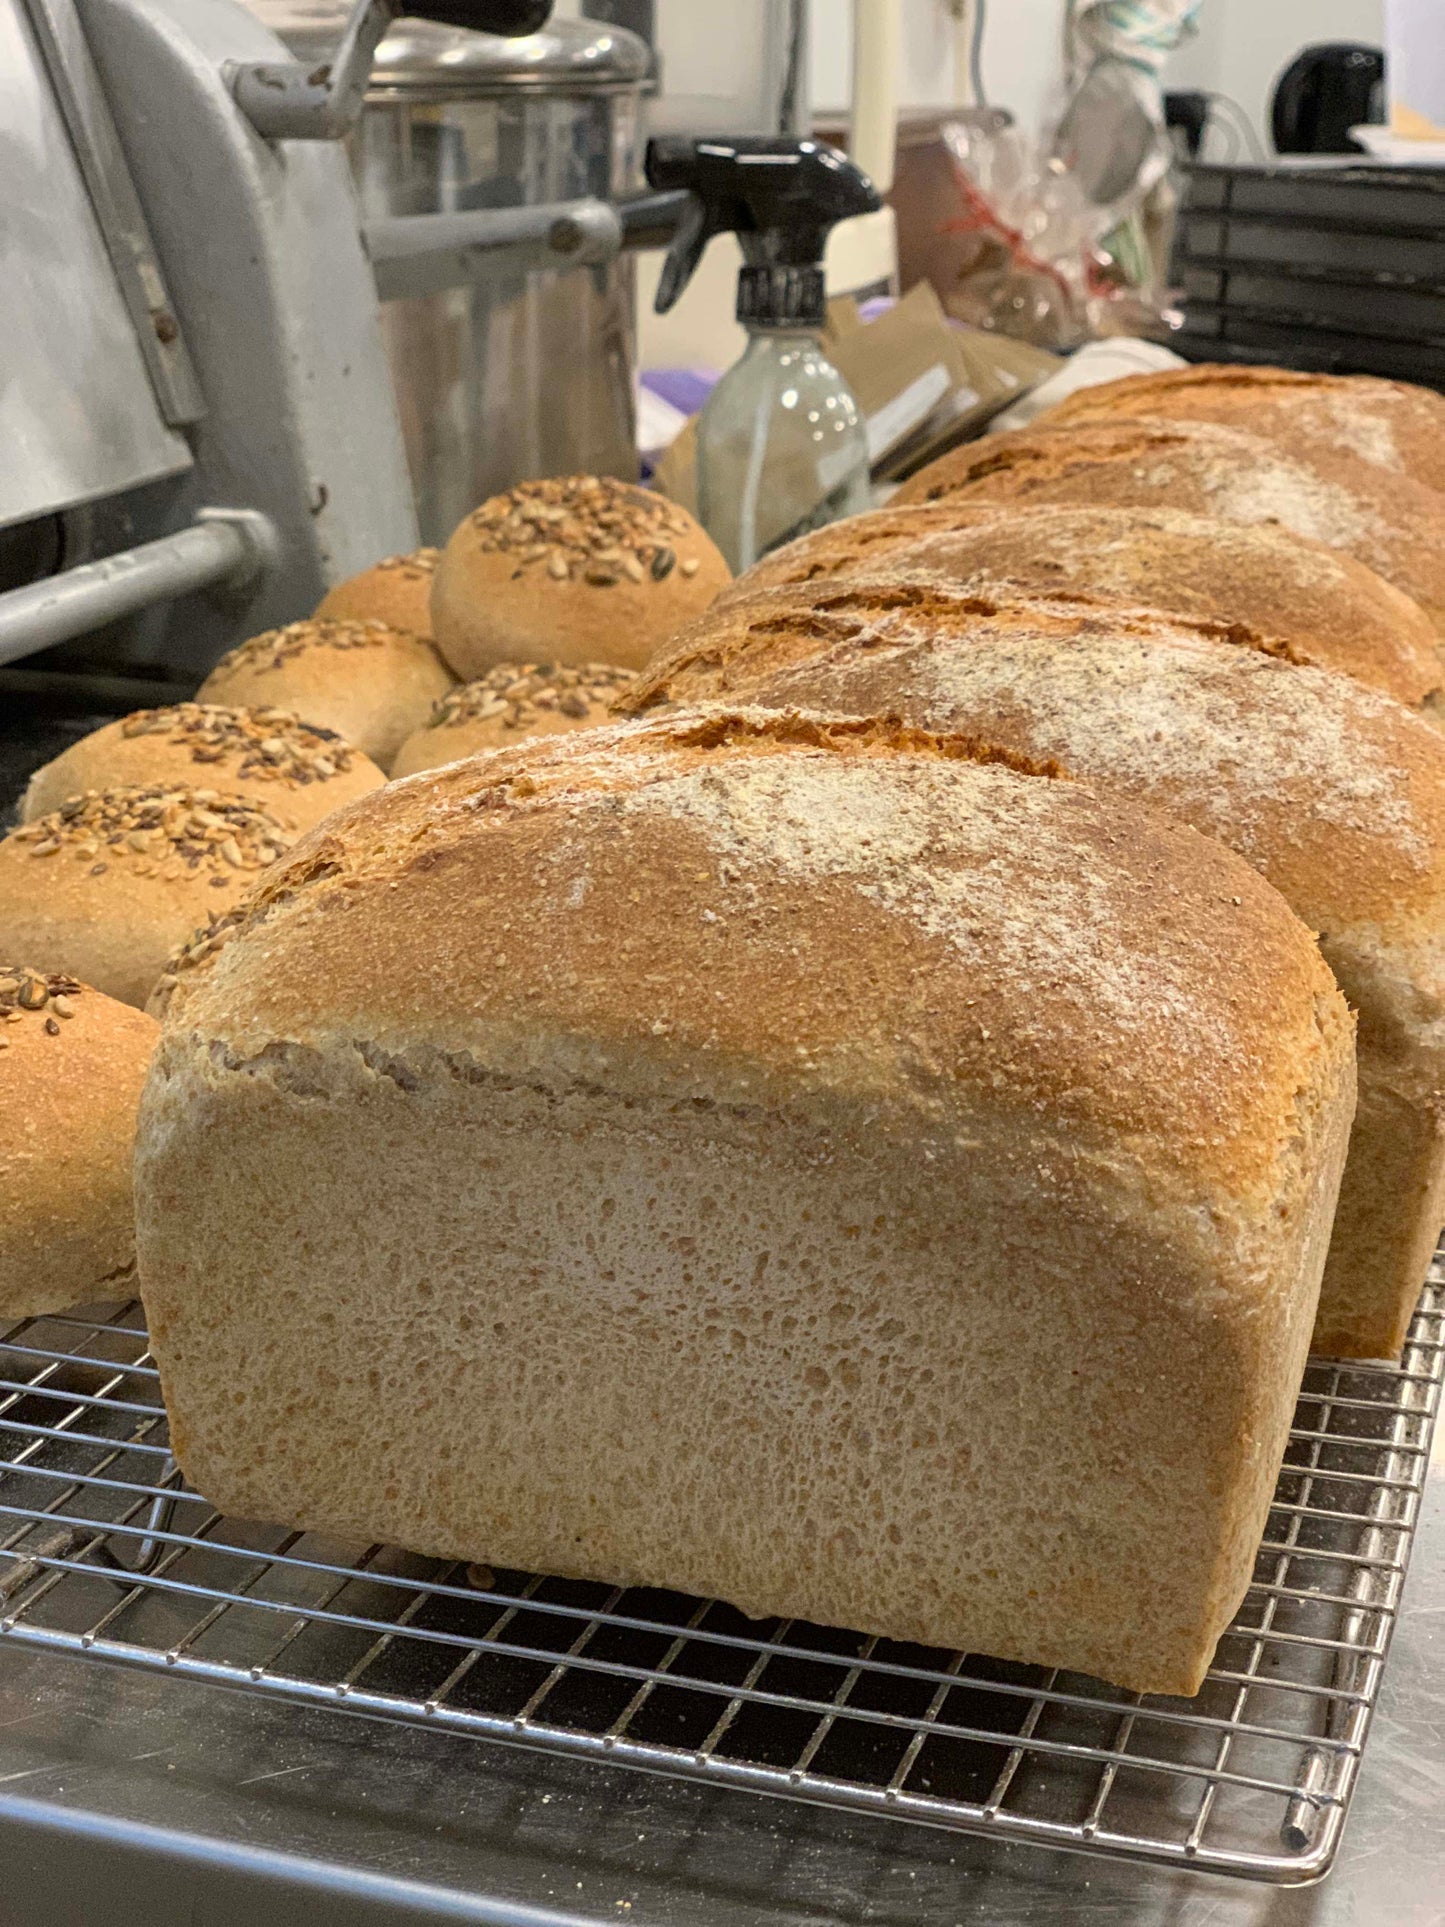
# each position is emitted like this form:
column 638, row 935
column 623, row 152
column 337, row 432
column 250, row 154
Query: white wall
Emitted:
column 1021, row 60
column 1241, row 48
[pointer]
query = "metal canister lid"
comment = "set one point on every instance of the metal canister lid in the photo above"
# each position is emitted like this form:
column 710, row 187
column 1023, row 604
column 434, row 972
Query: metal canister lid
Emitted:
column 418, row 57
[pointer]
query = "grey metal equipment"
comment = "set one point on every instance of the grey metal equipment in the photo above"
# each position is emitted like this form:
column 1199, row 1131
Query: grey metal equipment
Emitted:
column 224, row 548
column 296, row 100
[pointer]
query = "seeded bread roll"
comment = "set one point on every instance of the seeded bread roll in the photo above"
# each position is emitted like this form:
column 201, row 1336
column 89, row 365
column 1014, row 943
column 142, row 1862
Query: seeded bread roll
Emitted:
column 578, row 569
column 72, row 1063
column 1308, row 602
column 1334, row 792
column 396, row 592
column 1391, row 424
column 930, row 1248
column 297, row 770
column 107, row 886
column 1391, row 524
column 371, row 684
column 511, row 702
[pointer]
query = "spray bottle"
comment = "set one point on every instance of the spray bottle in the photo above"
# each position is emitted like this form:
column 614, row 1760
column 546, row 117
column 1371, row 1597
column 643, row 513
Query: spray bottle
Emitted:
column 781, row 444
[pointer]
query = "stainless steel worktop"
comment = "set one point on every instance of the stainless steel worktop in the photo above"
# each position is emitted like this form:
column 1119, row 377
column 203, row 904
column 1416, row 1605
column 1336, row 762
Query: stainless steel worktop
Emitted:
column 431, row 1827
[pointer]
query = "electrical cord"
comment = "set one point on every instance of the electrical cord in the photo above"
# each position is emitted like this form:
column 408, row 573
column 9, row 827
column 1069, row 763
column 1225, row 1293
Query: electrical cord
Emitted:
column 975, row 13
column 975, row 53
column 1239, row 124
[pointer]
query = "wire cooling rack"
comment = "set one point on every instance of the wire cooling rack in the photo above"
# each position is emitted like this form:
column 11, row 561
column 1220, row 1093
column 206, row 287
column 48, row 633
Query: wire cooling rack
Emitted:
column 105, row 1552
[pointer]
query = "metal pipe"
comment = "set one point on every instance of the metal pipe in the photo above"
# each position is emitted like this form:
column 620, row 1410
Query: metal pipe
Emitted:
column 221, row 547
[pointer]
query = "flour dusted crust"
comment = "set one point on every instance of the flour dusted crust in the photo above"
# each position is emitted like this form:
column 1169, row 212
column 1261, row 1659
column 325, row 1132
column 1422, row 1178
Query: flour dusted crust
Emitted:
column 1385, row 520
column 1309, row 602
column 1333, row 791
column 571, row 569
column 72, row 1063
column 370, row 683
column 1390, row 424
column 296, row 769
column 873, row 1149
column 510, row 703
column 107, row 886
column 396, row 591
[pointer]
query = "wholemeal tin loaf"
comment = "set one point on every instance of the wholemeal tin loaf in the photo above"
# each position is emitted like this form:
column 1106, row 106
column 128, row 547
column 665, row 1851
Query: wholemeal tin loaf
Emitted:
column 1279, row 590
column 1390, row 424
column 72, row 1063
column 297, row 770
column 1392, row 524
column 816, row 1166
column 1333, row 791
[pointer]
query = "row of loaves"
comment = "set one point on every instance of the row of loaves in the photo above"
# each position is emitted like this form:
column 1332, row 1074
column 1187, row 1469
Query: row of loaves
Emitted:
column 864, row 1168
column 854, row 1168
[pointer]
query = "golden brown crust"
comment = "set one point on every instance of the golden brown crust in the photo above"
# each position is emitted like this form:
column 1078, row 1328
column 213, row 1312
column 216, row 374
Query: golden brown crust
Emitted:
column 1321, row 604
column 298, row 770
column 1390, row 523
column 1334, row 792
column 396, row 591
column 470, row 840
column 578, row 568
column 935, row 1142
column 1391, row 424
column 106, row 887
column 372, row 684
column 514, row 701
column 72, row 1063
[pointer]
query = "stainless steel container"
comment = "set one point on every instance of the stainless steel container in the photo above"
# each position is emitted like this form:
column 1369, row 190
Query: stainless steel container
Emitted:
column 510, row 370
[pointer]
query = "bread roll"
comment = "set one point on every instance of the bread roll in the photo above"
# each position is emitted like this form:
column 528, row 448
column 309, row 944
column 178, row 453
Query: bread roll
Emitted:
column 1391, row 424
column 821, row 1168
column 1319, row 605
column 297, row 770
column 578, row 569
column 107, row 886
column 71, row 1068
column 510, row 703
column 371, row 684
column 1334, row 792
column 396, row 592
column 1391, row 524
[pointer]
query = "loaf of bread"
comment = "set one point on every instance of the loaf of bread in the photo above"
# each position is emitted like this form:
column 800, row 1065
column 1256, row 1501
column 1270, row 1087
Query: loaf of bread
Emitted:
column 1313, row 604
column 823, row 1168
column 1392, row 524
column 510, row 703
column 1392, row 424
column 108, row 885
column 296, row 770
column 1335, row 793
column 396, row 592
column 371, row 684
column 72, row 1063
column 577, row 569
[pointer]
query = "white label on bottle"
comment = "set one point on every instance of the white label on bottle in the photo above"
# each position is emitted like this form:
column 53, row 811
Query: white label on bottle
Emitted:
column 888, row 425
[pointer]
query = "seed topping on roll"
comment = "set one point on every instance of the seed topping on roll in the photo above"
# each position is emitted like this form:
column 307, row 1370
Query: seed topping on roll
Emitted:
column 586, row 527
column 270, row 742
column 159, row 832
column 275, row 646
column 47, row 995
column 514, row 692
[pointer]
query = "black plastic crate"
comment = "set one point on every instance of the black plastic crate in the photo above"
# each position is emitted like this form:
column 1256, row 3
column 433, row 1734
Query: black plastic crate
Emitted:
column 1329, row 265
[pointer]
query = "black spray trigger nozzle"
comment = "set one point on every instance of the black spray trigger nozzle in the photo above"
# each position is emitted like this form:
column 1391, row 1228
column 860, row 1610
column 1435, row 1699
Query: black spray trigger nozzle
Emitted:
column 779, row 196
